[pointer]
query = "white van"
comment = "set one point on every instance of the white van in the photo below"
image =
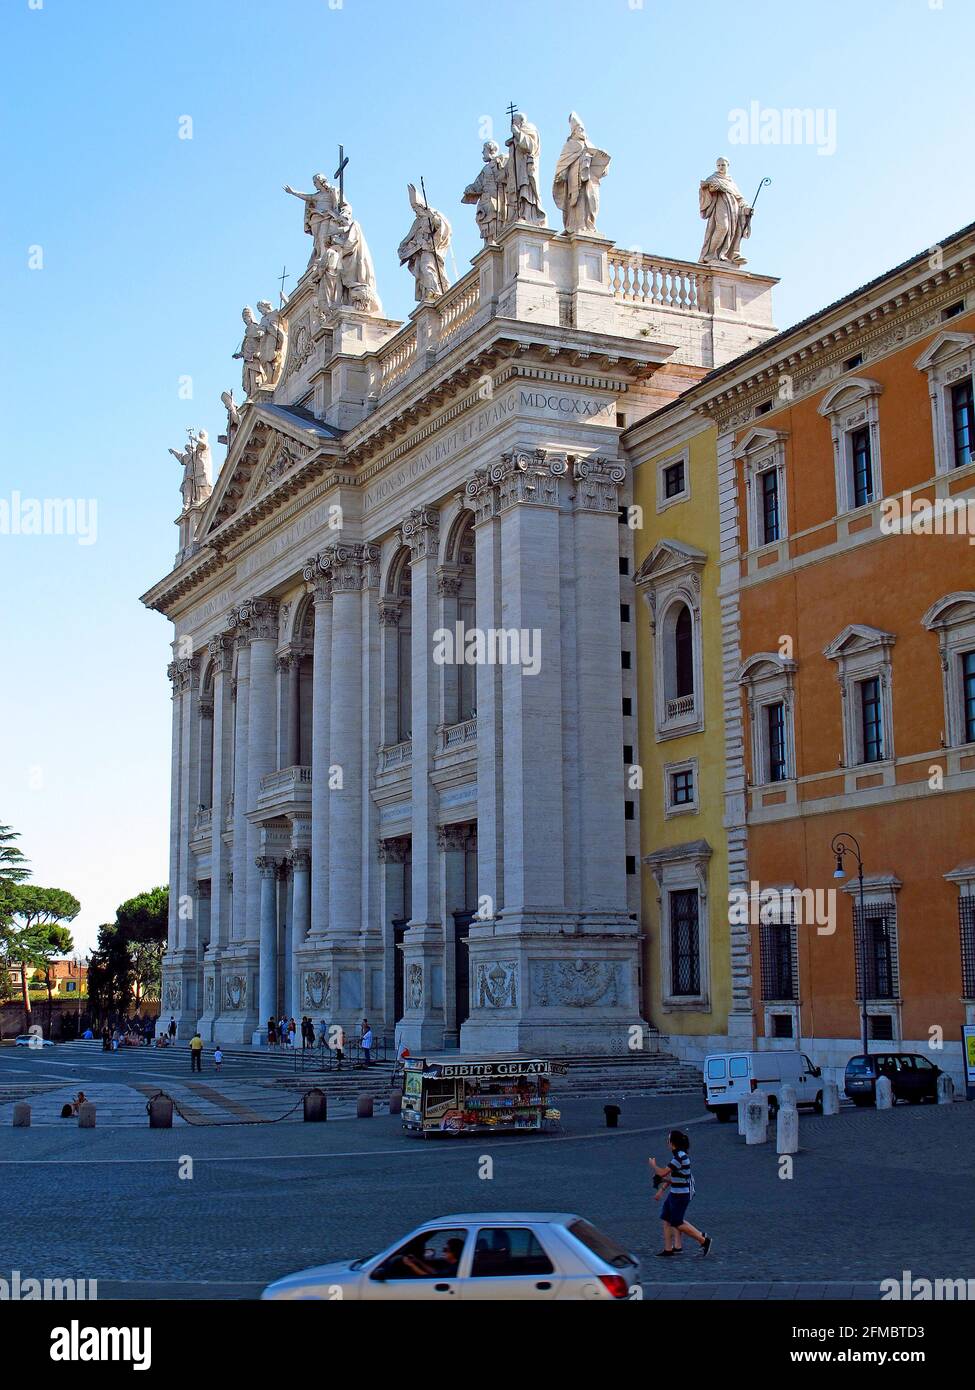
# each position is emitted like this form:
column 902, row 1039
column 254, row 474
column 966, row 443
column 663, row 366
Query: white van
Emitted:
column 732, row 1076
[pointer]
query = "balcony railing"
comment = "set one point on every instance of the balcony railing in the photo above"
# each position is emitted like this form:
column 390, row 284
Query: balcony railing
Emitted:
column 203, row 819
column 285, row 789
column 458, row 735
column 679, row 708
column 392, row 755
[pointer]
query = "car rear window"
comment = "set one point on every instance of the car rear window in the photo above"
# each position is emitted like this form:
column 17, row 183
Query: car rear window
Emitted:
column 858, row 1066
column 600, row 1244
column 739, row 1066
column 716, row 1068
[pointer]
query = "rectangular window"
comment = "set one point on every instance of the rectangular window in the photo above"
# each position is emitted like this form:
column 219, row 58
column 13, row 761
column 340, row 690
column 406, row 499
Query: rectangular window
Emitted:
column 685, row 950
column 624, row 612
column 968, row 694
column 777, row 958
column 629, row 810
column 876, row 948
column 871, row 720
column 682, row 787
column 782, row 1026
column 966, row 925
column 674, row 479
column 861, row 466
column 770, row 506
column 963, row 422
column 775, row 726
column 627, row 704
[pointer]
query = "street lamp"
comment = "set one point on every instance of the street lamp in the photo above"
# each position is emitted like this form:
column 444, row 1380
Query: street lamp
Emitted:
column 841, row 845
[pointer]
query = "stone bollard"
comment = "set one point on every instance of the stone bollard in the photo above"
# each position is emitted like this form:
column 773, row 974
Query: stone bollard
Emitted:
column 787, row 1130
column 831, row 1098
column 742, row 1110
column 363, row 1108
column 787, row 1095
column 160, row 1110
column 756, row 1119
column 22, row 1115
column 396, row 1102
column 884, row 1095
column 315, row 1106
column 86, row 1115
column 946, row 1091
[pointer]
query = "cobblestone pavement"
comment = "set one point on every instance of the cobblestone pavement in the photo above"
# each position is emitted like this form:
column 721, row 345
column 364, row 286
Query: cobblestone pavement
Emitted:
column 862, row 1204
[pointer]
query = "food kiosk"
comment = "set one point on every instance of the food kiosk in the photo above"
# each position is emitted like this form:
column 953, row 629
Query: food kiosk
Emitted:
column 477, row 1097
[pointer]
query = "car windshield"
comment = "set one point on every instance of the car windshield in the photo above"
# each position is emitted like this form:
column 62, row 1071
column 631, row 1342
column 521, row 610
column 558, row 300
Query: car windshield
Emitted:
column 600, row 1244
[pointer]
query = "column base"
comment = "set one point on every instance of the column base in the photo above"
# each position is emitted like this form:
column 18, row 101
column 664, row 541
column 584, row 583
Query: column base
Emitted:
column 553, row 988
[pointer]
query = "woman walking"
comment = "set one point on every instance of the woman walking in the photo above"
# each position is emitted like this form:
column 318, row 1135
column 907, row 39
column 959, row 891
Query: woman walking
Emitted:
column 675, row 1189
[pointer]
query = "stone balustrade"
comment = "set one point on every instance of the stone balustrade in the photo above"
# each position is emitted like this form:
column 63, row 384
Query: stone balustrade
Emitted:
column 641, row 279
column 683, row 705
column 458, row 306
column 458, row 735
column 287, row 789
column 393, row 755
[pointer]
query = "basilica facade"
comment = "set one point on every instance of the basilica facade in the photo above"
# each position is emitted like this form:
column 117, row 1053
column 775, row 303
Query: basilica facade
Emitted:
column 404, row 688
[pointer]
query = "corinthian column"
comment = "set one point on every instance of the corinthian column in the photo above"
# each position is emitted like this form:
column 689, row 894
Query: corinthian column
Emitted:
column 220, row 656
column 482, row 499
column 242, row 686
column 268, row 979
column 321, row 589
column 262, row 617
column 346, row 565
column 421, row 533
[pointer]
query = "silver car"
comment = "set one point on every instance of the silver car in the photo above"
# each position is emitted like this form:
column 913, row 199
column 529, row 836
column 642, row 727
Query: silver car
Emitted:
column 487, row 1254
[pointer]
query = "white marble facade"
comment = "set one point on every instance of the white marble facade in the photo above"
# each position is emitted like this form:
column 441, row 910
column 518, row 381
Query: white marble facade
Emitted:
column 359, row 828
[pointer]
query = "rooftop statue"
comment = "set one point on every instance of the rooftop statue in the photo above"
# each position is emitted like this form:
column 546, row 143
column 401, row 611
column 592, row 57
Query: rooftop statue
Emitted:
column 344, row 272
column 524, row 201
column 489, row 192
column 423, row 249
column 197, row 471
column 578, row 173
column 727, row 215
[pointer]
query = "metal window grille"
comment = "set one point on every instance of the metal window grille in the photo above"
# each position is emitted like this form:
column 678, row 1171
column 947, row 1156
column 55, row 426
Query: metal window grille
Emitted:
column 876, row 930
column 966, row 922
column 685, row 944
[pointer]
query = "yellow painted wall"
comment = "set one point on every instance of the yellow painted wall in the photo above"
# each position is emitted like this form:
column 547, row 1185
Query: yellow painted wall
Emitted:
column 693, row 522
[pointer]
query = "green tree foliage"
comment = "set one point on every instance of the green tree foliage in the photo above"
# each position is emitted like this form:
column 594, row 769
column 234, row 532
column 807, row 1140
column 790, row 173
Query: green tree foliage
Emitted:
column 126, row 965
column 39, row 935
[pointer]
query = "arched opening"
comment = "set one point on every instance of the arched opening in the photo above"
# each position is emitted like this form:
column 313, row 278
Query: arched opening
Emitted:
column 396, row 621
column 679, row 678
column 684, row 653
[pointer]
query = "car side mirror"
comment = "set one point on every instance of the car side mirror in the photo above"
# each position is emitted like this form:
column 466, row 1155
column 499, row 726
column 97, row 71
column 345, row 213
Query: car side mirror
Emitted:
column 817, row 1071
column 379, row 1274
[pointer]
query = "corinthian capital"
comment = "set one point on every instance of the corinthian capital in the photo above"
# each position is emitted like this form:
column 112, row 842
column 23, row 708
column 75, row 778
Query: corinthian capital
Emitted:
column 598, row 481
column 421, row 532
column 221, row 653
column 528, row 476
column 350, row 568
column 184, row 674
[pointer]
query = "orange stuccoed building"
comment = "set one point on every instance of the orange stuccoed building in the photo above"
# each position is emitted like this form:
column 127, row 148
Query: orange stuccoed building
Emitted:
column 845, row 457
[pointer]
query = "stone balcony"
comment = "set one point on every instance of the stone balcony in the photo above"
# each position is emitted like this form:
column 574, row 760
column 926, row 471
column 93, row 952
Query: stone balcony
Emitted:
column 453, row 737
column 285, row 792
column 393, row 756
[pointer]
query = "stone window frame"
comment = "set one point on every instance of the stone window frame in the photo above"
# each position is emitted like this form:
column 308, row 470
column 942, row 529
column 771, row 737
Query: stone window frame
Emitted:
column 862, row 653
column 674, row 808
column 880, row 890
column 948, row 359
column 953, row 619
column 682, row 456
column 761, row 451
column 852, row 405
column 675, row 869
column 671, row 576
column 769, row 679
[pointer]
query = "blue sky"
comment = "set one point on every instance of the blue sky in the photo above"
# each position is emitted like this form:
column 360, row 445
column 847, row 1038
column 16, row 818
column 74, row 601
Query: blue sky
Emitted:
column 150, row 245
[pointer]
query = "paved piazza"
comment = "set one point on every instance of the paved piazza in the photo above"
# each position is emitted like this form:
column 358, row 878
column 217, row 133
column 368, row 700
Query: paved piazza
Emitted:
column 307, row 1193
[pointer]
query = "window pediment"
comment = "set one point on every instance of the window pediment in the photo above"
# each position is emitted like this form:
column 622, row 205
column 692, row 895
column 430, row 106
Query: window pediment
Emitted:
column 857, row 638
column 847, row 395
column 670, row 560
column 758, row 441
column 765, row 666
column 951, row 610
column 943, row 348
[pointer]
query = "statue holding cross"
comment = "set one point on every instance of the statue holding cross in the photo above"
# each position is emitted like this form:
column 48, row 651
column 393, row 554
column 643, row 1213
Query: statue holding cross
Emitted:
column 343, row 269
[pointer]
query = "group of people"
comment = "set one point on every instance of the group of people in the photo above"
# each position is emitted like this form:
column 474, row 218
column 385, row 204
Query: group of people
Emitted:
column 128, row 1032
column 284, row 1032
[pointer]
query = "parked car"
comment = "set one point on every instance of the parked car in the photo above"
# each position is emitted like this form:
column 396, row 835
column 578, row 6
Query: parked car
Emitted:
column 33, row 1040
column 484, row 1255
column 732, row 1076
column 912, row 1077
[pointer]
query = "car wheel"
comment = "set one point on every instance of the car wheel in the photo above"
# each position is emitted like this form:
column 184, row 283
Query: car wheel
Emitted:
column 773, row 1107
column 861, row 1102
column 914, row 1100
column 724, row 1114
column 818, row 1103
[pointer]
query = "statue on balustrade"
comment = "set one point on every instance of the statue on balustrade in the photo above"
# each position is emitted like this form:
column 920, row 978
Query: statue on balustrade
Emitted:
column 274, row 342
column 249, row 352
column 489, row 192
column 424, row 247
column 727, row 215
column 320, row 209
column 524, row 201
column 578, row 174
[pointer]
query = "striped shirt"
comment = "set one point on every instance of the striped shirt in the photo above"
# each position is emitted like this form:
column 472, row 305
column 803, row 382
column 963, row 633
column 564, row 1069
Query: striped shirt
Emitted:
column 680, row 1168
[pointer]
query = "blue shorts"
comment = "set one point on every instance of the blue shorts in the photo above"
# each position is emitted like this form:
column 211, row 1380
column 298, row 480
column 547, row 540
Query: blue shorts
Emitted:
column 674, row 1208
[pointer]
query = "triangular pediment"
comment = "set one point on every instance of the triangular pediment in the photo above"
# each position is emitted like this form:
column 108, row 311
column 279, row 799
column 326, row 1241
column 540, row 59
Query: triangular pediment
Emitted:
column 670, row 557
column 757, row 439
column 948, row 343
column 858, row 637
column 269, row 442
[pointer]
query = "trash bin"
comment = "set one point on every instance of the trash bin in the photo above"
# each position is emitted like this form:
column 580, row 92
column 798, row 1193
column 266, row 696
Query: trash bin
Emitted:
column 160, row 1112
column 316, row 1106
column 612, row 1113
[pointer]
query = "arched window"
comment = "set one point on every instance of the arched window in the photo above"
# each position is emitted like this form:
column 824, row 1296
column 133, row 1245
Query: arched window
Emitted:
column 684, row 653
